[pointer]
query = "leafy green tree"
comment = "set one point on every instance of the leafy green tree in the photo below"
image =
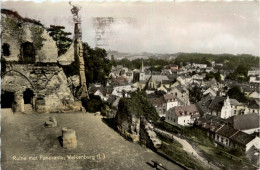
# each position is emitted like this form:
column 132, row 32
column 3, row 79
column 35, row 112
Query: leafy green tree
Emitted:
column 137, row 105
column 93, row 104
column 97, row 65
column 58, row 34
column 236, row 93
column 211, row 75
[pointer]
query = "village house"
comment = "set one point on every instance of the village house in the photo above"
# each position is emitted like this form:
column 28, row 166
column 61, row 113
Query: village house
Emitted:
column 248, row 123
column 171, row 101
column 172, row 67
column 236, row 107
column 101, row 91
column 140, row 84
column 209, row 124
column 123, row 90
column 182, row 115
column 199, row 65
column 181, row 93
column 253, row 72
column 229, row 137
column 159, row 103
column 254, row 79
column 254, row 95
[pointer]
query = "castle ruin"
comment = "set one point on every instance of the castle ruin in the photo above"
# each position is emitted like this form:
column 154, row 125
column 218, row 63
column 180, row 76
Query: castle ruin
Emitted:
column 33, row 79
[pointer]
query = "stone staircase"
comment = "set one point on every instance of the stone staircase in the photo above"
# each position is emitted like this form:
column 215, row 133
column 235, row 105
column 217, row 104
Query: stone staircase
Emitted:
column 28, row 108
column 152, row 135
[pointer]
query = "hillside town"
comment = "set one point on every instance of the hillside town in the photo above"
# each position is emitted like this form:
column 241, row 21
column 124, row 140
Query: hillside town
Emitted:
column 228, row 122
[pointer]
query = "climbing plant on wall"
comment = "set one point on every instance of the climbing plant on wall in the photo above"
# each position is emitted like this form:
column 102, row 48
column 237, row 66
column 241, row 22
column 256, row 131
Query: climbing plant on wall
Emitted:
column 37, row 37
column 13, row 26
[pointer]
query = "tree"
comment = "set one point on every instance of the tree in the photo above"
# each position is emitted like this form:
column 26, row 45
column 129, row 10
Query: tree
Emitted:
column 63, row 42
column 97, row 65
column 235, row 93
column 211, row 75
column 137, row 105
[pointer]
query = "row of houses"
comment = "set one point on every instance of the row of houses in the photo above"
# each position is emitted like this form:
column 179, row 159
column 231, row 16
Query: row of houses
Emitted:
column 237, row 132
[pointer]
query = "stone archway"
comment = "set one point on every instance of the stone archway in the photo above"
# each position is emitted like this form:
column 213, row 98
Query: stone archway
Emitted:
column 18, row 83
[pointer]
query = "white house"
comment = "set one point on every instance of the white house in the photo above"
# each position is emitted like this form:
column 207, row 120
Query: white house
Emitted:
column 182, row 115
column 171, row 101
column 254, row 79
column 199, row 65
column 254, row 95
column 230, row 137
column 119, row 90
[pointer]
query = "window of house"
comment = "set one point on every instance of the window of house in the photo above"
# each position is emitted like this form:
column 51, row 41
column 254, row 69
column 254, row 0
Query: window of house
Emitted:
column 222, row 140
column 184, row 121
column 174, row 121
column 217, row 137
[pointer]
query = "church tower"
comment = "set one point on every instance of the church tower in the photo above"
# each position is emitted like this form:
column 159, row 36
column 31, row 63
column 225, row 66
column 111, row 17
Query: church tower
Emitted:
column 142, row 73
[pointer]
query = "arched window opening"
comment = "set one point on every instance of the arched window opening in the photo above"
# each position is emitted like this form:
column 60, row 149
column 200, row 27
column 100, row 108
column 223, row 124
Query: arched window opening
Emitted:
column 27, row 53
column 6, row 49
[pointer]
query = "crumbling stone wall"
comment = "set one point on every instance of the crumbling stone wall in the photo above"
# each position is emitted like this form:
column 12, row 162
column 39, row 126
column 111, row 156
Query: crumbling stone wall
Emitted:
column 49, row 84
column 42, row 74
column 15, row 32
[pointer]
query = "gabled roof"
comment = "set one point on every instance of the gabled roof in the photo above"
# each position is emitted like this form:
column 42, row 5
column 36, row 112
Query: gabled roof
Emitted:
column 226, row 131
column 168, row 96
column 234, row 102
column 210, row 122
column 158, row 78
column 242, row 137
column 189, row 110
column 244, row 122
column 217, row 103
column 104, row 90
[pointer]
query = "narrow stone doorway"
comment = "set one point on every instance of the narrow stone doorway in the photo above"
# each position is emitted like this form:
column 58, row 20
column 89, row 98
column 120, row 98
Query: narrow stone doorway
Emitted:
column 28, row 96
column 28, row 100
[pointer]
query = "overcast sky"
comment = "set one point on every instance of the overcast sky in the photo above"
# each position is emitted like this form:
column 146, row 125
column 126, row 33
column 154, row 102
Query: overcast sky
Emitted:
column 160, row 27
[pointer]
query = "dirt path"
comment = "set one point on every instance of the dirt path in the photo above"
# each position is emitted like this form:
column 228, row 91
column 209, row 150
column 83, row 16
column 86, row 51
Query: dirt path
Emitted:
column 189, row 149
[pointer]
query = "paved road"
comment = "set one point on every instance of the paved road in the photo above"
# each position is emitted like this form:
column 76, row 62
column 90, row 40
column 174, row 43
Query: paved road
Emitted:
column 99, row 146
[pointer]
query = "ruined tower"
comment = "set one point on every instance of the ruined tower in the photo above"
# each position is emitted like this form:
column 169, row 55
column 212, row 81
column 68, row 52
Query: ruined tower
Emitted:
column 78, row 50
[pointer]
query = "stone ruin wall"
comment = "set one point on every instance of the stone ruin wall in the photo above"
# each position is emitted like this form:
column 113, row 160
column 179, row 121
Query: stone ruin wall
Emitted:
column 48, row 83
column 44, row 77
column 15, row 36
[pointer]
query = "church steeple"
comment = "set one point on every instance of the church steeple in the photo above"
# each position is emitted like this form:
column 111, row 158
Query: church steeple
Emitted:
column 142, row 67
column 142, row 74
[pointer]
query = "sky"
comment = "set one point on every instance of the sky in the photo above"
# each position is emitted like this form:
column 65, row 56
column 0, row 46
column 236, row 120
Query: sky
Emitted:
column 158, row 27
